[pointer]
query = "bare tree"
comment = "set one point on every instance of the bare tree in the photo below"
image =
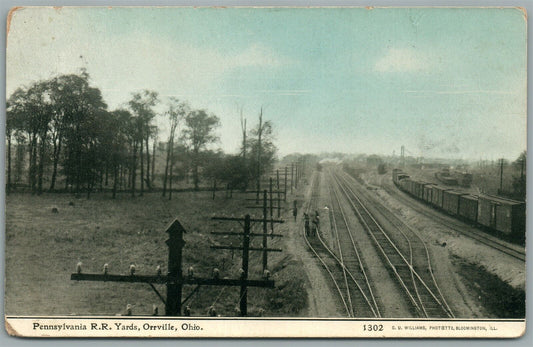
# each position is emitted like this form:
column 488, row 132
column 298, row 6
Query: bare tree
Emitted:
column 244, row 149
column 176, row 112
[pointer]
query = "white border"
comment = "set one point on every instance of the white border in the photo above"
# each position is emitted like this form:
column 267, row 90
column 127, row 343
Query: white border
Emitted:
column 526, row 340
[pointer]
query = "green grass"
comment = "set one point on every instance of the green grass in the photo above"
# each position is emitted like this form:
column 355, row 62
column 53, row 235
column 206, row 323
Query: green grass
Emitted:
column 42, row 249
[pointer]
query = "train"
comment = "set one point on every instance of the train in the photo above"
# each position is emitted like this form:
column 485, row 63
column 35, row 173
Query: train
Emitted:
column 454, row 178
column 505, row 216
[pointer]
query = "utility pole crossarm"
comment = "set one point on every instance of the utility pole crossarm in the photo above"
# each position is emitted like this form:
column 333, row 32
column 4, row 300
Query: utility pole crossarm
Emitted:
column 262, row 249
column 242, row 219
column 240, row 234
column 165, row 279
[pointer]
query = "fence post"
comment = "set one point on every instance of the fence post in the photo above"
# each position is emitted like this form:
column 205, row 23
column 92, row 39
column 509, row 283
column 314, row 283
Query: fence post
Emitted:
column 265, row 230
column 286, row 174
column 175, row 245
column 245, row 246
column 277, row 188
column 297, row 172
column 271, row 206
column 292, row 176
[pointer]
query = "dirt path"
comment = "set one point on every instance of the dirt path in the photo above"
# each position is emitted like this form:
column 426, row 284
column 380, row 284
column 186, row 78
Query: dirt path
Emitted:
column 320, row 298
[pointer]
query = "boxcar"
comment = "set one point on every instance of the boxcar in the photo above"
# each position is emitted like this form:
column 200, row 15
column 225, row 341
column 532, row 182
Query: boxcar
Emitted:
column 428, row 193
column 437, row 196
column 417, row 188
column 450, row 201
column 421, row 190
column 412, row 188
column 400, row 177
column 404, row 184
column 504, row 215
column 395, row 173
column 468, row 207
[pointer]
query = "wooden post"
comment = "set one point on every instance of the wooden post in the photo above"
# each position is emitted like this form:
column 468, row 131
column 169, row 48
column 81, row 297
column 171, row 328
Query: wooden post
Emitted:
column 265, row 255
column 501, row 175
column 175, row 245
column 245, row 245
column 286, row 174
column 174, row 279
column 296, row 174
column 271, row 206
column 277, row 188
column 292, row 176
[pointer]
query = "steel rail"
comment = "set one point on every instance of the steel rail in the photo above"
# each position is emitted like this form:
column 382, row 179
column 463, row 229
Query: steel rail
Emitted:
column 315, row 252
column 388, row 240
column 386, row 257
column 411, row 268
column 426, row 250
column 373, row 306
column 341, row 261
column 400, row 223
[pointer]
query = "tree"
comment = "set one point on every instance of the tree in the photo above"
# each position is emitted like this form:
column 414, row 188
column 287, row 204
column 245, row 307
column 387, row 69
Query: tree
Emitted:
column 229, row 169
column 176, row 112
column 519, row 182
column 73, row 99
column 37, row 112
column 198, row 133
column 82, row 108
column 262, row 150
column 115, row 142
column 15, row 113
column 244, row 149
column 142, row 104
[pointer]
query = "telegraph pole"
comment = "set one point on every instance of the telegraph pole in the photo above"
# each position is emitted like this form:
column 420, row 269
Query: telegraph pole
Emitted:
column 277, row 188
column 265, row 255
column 175, row 245
column 286, row 174
column 292, row 176
column 174, row 279
column 245, row 253
column 501, row 175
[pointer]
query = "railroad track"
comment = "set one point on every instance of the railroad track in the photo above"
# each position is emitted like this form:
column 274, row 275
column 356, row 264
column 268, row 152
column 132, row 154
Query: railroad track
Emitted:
column 477, row 235
column 348, row 253
column 354, row 296
column 417, row 282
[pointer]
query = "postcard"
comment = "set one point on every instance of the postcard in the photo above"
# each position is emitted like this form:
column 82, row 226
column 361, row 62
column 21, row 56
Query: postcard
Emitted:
column 265, row 172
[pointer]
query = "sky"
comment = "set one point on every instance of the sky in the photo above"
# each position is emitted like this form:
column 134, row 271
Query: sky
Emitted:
column 443, row 82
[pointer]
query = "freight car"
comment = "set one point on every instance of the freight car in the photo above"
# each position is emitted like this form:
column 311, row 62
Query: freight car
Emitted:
column 495, row 213
column 469, row 207
column 504, row 215
column 450, row 201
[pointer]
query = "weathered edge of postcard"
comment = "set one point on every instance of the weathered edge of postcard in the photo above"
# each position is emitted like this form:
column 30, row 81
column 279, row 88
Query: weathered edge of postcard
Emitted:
column 260, row 328
column 270, row 328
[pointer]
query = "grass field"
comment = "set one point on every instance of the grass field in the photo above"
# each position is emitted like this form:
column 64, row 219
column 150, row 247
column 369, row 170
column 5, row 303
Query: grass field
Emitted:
column 43, row 248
